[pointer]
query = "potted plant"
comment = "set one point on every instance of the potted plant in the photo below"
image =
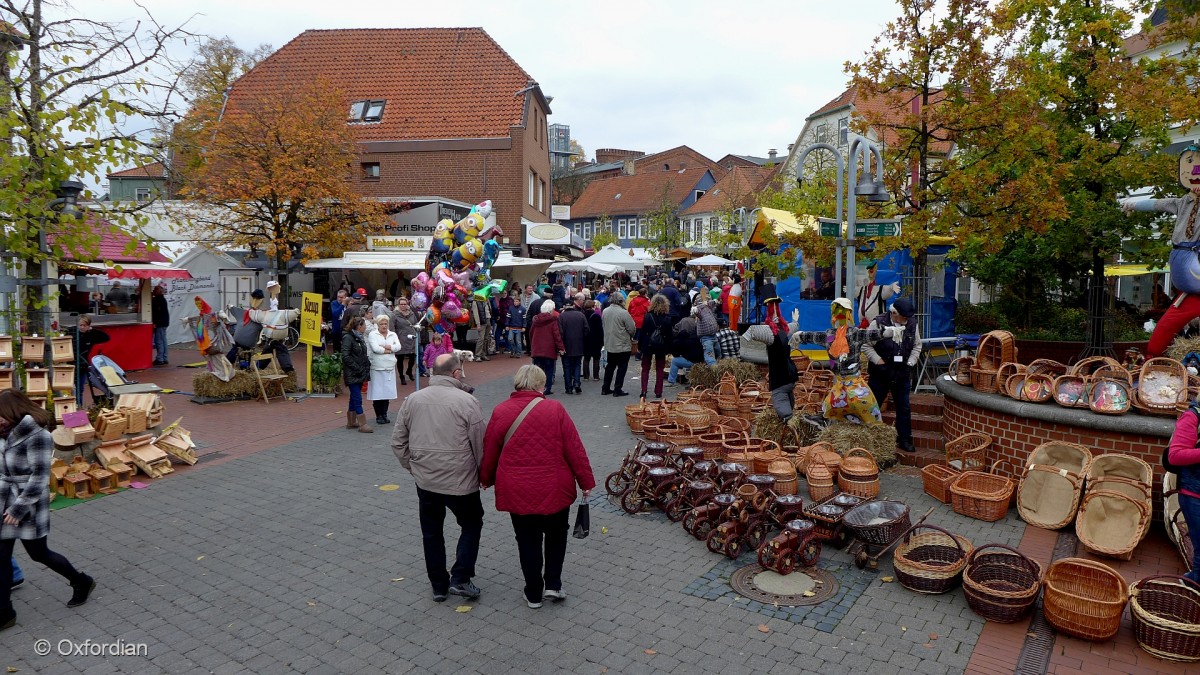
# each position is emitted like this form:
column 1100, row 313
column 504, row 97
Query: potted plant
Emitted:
column 327, row 374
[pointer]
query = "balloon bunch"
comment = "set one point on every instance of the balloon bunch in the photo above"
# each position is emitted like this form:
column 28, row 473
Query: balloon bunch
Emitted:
column 458, row 268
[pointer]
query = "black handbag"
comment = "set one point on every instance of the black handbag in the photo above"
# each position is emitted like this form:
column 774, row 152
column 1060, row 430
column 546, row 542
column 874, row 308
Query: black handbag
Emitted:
column 583, row 521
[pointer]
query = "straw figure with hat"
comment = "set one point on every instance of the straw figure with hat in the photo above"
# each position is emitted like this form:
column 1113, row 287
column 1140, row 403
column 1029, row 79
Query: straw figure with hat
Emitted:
column 891, row 359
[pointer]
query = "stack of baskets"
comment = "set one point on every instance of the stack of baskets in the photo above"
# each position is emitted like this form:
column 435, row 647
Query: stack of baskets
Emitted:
column 932, row 561
column 1052, row 484
column 1166, row 617
column 784, row 472
column 637, row 414
column 968, row 452
column 820, row 477
column 859, row 474
column 1001, row 583
column 982, row 495
column 805, row 453
column 1114, row 515
column 995, row 349
column 1084, row 598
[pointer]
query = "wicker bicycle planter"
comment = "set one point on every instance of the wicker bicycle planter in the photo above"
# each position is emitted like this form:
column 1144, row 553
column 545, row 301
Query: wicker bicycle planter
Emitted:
column 1084, row 598
column 980, row 495
column 960, row 370
column 859, row 474
column 1166, row 617
column 1001, row 583
column 930, row 562
column 936, row 479
column 968, row 452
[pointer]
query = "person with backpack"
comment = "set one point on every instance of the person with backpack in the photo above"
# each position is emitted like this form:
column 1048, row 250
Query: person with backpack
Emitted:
column 654, row 341
column 1183, row 458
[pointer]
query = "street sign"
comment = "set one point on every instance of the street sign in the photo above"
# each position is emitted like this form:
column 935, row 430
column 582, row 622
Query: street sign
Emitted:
column 310, row 319
column 882, row 227
column 829, row 227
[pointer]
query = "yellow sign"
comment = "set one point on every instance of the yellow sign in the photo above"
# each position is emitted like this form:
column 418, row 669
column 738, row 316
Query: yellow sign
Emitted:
column 310, row 319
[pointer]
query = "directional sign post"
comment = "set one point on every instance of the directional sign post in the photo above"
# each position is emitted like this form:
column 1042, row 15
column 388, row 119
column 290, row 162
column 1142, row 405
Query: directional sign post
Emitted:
column 830, row 227
column 882, row 227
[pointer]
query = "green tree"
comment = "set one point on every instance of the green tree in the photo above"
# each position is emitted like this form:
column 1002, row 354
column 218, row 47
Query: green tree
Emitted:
column 69, row 85
column 663, row 230
column 604, row 235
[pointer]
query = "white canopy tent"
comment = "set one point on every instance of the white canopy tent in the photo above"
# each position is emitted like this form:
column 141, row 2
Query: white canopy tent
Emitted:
column 520, row 270
column 614, row 255
column 711, row 260
column 584, row 266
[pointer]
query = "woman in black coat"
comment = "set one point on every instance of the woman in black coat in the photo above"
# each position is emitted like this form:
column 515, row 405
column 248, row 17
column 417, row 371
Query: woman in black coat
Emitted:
column 594, row 342
column 356, row 369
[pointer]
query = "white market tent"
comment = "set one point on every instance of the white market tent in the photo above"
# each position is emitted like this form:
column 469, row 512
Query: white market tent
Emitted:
column 711, row 261
column 520, row 270
column 614, row 255
column 584, row 266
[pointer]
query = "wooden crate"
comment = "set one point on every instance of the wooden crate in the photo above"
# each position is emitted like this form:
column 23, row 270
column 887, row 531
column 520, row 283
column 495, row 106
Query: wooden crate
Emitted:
column 110, row 425
column 63, row 378
column 77, row 486
column 135, row 420
column 61, row 349
column 33, row 349
column 37, row 381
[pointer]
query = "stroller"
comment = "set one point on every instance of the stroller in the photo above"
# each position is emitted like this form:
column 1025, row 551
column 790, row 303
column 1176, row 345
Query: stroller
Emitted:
column 106, row 376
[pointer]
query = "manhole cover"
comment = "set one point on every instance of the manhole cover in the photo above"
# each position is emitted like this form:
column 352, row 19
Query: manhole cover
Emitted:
column 768, row 587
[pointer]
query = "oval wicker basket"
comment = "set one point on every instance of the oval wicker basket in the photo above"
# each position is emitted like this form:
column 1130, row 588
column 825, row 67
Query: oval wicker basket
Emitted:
column 995, row 349
column 1035, row 388
column 1162, row 386
column 985, row 381
column 1007, row 370
column 1046, row 367
column 1084, row 598
column 960, row 370
column 1001, row 583
column 930, row 562
column 859, row 463
column 695, row 416
column 1166, row 617
column 820, row 480
column 984, row 496
column 1109, row 396
column 1085, row 367
column 1071, row 391
column 1112, row 523
column 713, row 442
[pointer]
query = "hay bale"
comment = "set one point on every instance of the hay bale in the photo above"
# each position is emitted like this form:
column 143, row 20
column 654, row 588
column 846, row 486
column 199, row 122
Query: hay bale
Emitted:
column 741, row 370
column 769, row 425
column 1182, row 346
column 878, row 439
column 241, row 385
column 806, row 431
column 701, row 375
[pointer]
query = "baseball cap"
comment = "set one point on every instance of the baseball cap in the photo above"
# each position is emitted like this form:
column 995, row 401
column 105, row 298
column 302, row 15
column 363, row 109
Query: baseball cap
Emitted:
column 272, row 283
column 362, row 292
column 257, row 293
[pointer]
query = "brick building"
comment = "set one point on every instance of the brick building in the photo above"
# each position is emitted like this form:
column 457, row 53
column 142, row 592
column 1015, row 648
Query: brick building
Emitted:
column 444, row 116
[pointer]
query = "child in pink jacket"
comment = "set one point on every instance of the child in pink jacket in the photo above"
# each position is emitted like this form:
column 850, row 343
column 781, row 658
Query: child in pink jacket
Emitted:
column 437, row 348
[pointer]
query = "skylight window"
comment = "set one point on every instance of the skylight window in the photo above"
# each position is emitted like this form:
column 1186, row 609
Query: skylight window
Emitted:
column 366, row 111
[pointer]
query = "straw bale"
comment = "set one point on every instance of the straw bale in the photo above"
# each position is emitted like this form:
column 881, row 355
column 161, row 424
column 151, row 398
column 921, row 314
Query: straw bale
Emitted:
column 878, row 439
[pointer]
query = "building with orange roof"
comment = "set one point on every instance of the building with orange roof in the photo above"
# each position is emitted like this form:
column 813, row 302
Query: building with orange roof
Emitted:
column 623, row 201
column 710, row 214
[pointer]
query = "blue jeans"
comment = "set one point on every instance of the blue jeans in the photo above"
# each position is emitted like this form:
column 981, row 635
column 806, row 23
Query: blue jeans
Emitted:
column 355, row 398
column 160, row 344
column 468, row 511
column 677, row 363
column 709, row 343
column 547, row 366
column 17, row 574
column 572, row 371
column 515, row 338
column 1191, row 515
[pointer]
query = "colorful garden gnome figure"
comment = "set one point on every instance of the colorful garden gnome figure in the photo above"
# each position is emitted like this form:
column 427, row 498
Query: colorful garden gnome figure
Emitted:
column 1185, row 250
column 849, row 398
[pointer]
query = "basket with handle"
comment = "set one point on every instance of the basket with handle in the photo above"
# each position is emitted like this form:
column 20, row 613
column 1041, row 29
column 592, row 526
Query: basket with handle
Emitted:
column 995, row 349
column 1001, row 583
column 1109, row 396
column 936, row 479
column 1085, row 367
column 968, row 452
column 1006, row 371
column 1034, row 387
column 1084, row 598
column 1071, row 391
column 879, row 522
column 713, row 442
column 930, row 562
column 820, row 479
column 784, row 473
column 1052, row 484
column 697, row 417
column 980, row 495
column 859, row 474
column 1046, row 367
column 1162, row 386
column 1112, row 523
column 985, row 381
column 1166, row 617
column 1114, row 372
column 960, row 370
column 727, row 386
column 803, row 455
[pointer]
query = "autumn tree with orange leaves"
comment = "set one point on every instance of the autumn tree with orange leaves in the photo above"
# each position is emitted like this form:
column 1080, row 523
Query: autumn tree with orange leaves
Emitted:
column 276, row 177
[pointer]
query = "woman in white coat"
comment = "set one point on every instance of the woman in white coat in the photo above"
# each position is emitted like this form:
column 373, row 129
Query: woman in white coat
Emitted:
column 381, row 390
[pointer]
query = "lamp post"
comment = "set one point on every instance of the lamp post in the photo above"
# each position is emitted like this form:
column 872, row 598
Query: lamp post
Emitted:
column 68, row 199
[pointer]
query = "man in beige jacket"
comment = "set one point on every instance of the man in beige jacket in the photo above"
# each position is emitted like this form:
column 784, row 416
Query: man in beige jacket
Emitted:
column 438, row 438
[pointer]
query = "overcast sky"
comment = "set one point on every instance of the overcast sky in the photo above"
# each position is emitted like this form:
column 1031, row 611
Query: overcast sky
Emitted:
column 722, row 76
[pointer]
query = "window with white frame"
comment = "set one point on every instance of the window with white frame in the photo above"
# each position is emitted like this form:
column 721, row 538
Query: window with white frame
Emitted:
column 843, row 131
column 141, row 194
column 541, row 189
column 641, row 228
column 622, row 233
column 532, row 181
column 587, row 231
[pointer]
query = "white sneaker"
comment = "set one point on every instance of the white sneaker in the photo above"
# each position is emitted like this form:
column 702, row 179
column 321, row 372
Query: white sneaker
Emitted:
column 533, row 605
column 557, row 596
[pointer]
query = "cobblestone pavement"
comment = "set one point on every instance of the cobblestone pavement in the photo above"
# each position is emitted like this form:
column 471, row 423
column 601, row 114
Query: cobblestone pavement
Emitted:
column 293, row 559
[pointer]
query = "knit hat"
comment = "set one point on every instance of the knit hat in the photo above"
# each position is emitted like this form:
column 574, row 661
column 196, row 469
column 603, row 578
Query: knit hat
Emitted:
column 904, row 308
column 633, row 294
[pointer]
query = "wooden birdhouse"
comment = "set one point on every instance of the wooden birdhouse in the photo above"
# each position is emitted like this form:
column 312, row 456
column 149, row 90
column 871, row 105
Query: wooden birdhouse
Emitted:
column 122, row 473
column 150, row 404
column 58, row 470
column 6, row 348
column 135, row 420
column 63, row 405
column 63, row 378
column 33, row 349
column 6, row 378
column 102, row 480
column 37, row 381
column 61, row 349
column 110, row 425
column 177, row 442
column 77, row 486
column 149, row 459
column 79, row 464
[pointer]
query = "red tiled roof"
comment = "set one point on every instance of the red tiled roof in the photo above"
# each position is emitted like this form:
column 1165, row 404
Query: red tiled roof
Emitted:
column 151, row 170
column 438, row 82
column 739, row 185
column 891, row 107
column 639, row 193
column 112, row 248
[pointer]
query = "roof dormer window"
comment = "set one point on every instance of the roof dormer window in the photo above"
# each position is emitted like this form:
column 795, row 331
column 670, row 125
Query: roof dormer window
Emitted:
column 366, row 111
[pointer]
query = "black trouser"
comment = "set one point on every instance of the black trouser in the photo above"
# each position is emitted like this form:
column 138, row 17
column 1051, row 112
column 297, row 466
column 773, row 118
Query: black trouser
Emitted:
column 617, row 363
column 380, row 408
column 468, row 512
column 893, row 379
column 38, row 552
column 591, row 364
column 411, row 360
column 533, row 532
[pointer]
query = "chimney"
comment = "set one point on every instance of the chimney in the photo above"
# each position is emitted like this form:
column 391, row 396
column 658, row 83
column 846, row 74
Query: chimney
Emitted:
column 771, row 154
column 790, row 146
column 628, row 168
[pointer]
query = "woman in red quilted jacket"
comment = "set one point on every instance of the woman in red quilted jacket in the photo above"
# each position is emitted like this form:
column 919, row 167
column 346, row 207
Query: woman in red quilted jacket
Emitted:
column 535, row 473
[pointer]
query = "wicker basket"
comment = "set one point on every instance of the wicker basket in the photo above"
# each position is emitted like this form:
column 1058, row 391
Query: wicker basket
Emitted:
column 937, row 479
column 858, row 474
column 734, row 422
column 820, row 480
column 1071, row 391
column 1085, row 367
column 1034, row 387
column 930, row 562
column 805, row 453
column 1112, row 523
column 960, row 370
column 985, row 381
column 1109, row 396
column 893, row 521
column 694, row 416
column 1113, row 372
column 1166, row 617
column 1084, row 598
column 968, row 452
column 1006, row 371
column 1046, row 367
column 661, row 430
column 1160, row 402
column 713, row 442
column 785, row 476
column 1001, row 583
column 984, row 496
column 1052, row 484
column 995, row 349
